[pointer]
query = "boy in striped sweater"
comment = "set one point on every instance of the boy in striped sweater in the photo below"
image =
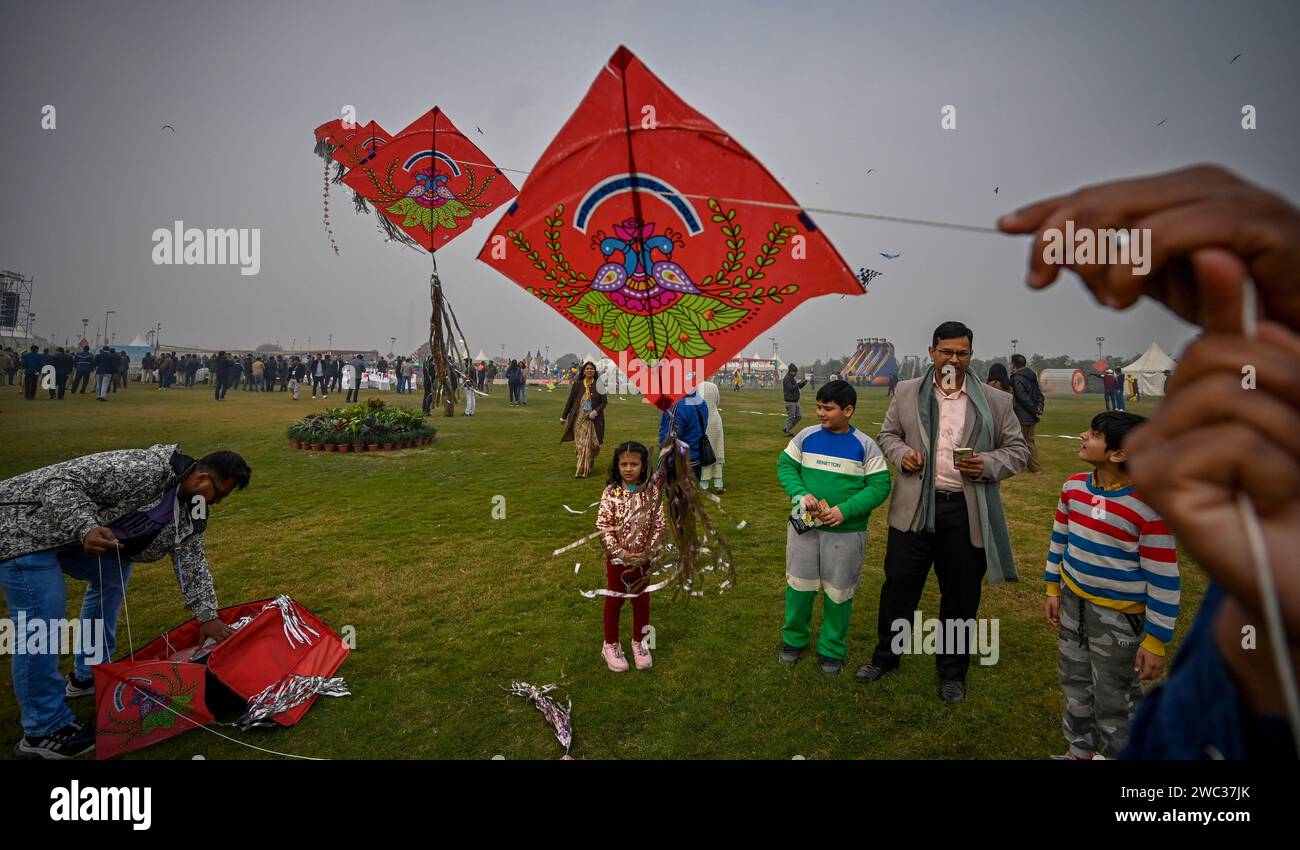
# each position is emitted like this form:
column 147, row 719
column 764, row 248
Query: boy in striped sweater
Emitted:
column 838, row 464
column 1112, row 591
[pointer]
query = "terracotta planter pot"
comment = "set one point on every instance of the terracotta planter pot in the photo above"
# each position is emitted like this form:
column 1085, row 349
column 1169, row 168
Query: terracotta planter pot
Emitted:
column 345, row 447
column 388, row 447
column 314, row 446
column 295, row 444
column 406, row 444
column 372, row 447
column 331, row 447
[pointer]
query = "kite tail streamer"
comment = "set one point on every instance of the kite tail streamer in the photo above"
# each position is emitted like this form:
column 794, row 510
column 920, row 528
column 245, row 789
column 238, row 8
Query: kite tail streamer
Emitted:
column 359, row 202
column 575, row 544
column 698, row 546
column 559, row 717
column 294, row 627
column 444, row 392
column 325, row 150
column 287, row 694
column 392, row 233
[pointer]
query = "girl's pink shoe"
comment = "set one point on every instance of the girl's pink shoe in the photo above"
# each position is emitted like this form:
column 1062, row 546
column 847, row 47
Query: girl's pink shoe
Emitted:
column 613, row 655
column 641, row 655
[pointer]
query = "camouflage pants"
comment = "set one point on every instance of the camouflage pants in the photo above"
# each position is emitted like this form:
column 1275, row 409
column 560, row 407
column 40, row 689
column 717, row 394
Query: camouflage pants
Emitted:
column 1098, row 647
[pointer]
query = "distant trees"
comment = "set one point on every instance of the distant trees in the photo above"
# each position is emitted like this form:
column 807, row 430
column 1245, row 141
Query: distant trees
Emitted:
column 823, row 370
column 269, row 346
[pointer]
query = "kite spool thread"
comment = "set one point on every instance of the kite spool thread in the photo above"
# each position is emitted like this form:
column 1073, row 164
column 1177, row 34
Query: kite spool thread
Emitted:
column 1263, row 567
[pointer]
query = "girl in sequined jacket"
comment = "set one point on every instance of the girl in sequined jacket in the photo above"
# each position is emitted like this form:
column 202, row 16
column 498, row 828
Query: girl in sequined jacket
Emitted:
column 630, row 522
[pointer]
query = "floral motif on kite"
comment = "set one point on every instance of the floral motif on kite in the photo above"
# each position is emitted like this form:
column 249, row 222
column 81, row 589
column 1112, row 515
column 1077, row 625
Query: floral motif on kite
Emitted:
column 646, row 301
column 428, row 183
column 430, row 203
column 145, row 704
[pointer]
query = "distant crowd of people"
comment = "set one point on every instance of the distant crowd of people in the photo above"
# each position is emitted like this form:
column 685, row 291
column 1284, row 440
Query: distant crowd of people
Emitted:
column 323, row 373
column 109, row 370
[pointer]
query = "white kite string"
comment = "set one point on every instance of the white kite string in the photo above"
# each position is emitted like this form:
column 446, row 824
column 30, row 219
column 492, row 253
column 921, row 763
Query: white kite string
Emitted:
column 126, row 609
column 974, row 228
column 1263, row 567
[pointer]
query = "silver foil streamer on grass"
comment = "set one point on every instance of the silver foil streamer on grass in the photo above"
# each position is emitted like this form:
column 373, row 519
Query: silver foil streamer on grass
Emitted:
column 287, row 694
column 557, row 716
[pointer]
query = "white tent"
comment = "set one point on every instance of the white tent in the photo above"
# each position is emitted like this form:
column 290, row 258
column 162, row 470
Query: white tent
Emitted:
column 1149, row 370
column 139, row 341
column 481, row 357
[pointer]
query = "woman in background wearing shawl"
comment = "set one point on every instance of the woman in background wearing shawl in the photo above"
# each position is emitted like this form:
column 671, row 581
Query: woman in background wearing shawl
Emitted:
column 584, row 418
column 709, row 392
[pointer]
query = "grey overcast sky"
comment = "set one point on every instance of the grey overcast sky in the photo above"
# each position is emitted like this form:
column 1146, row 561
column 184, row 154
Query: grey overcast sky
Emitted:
column 1049, row 96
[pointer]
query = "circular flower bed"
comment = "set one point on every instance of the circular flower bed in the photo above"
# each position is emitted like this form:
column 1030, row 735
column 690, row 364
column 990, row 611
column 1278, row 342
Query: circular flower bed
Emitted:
column 373, row 426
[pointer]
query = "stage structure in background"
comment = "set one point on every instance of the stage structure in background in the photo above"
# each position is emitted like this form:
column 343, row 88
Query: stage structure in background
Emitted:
column 15, row 307
column 910, row 367
column 427, row 185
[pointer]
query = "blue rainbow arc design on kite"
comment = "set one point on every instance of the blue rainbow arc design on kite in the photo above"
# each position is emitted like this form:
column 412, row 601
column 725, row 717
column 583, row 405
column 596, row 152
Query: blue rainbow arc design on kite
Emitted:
column 416, row 158
column 618, row 184
column 371, row 144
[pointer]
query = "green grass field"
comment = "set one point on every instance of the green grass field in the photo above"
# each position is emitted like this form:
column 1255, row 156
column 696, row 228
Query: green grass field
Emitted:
column 450, row 605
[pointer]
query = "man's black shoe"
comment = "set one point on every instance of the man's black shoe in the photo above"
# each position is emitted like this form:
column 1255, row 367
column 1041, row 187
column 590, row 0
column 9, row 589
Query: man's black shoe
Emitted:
column 868, row 673
column 952, row 691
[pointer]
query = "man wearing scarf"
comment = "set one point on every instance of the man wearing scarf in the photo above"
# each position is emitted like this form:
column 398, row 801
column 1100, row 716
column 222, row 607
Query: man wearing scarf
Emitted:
column 945, row 512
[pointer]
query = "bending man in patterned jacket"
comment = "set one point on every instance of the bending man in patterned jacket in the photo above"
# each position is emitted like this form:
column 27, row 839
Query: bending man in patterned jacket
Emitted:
column 91, row 518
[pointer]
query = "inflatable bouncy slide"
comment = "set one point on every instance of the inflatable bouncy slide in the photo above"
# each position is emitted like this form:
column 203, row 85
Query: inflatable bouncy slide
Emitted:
column 872, row 363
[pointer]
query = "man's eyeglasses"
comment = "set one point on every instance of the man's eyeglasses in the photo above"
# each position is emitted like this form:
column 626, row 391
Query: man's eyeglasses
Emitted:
column 950, row 352
column 218, row 494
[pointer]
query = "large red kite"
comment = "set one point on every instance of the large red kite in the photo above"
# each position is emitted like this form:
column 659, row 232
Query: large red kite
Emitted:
column 429, row 180
column 659, row 235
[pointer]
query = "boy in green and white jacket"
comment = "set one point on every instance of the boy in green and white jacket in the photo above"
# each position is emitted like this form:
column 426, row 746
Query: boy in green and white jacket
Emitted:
column 836, row 463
